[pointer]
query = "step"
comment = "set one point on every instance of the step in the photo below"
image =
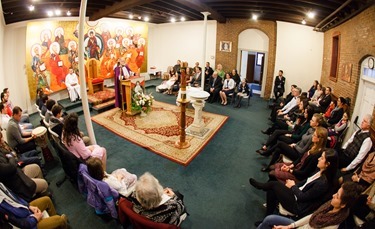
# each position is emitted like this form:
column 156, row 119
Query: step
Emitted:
column 104, row 106
column 67, row 105
column 78, row 110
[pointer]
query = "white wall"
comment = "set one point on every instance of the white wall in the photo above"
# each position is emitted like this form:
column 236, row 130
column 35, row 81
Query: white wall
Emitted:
column 180, row 41
column 299, row 53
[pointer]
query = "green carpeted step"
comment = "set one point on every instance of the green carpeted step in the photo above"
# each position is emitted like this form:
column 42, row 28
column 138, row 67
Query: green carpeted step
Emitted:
column 67, row 105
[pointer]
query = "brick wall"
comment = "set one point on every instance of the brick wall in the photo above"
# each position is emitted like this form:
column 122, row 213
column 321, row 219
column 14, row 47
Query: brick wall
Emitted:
column 230, row 31
column 357, row 41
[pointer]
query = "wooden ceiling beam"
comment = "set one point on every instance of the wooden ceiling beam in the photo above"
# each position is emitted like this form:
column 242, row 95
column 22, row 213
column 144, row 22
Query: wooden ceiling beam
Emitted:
column 201, row 7
column 123, row 5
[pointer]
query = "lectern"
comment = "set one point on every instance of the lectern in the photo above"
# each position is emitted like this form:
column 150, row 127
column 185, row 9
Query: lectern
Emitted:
column 126, row 93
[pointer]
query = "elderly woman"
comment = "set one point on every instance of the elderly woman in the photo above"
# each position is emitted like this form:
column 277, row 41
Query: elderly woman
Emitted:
column 71, row 138
column 157, row 204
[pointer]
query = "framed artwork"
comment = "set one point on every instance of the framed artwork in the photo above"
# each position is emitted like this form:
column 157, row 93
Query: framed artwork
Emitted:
column 260, row 57
column 226, row 46
column 347, row 72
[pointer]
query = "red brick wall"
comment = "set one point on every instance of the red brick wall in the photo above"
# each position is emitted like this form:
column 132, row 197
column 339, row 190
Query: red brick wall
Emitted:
column 230, row 31
column 357, row 41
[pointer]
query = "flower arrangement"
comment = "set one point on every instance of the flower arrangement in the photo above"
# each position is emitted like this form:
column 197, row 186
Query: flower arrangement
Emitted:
column 142, row 102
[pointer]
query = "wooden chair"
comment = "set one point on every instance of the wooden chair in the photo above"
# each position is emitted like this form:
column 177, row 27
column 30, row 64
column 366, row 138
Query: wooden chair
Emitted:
column 95, row 81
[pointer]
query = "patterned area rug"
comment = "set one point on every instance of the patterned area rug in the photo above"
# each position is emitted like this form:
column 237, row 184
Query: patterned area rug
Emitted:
column 101, row 96
column 159, row 130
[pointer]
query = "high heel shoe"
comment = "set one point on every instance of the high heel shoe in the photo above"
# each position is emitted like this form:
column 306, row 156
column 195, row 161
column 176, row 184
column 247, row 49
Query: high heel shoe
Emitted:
column 256, row 184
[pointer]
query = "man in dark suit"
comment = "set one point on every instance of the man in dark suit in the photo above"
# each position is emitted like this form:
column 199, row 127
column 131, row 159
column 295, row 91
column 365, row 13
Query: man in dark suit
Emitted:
column 214, row 87
column 208, row 71
column 279, row 86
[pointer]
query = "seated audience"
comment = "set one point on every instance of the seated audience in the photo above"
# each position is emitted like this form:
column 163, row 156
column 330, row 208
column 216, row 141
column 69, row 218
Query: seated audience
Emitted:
column 234, row 75
column 364, row 175
column 364, row 207
column 243, row 90
column 39, row 95
column 215, row 85
column 305, row 165
column 30, row 157
column 197, row 77
column 25, row 127
column 43, row 109
column 357, row 147
column 167, row 85
column 189, row 76
column 228, row 88
column 329, row 215
column 340, row 126
column 50, row 103
column 22, row 214
column 56, row 122
column 72, row 84
column 120, row 179
column 4, row 100
column 208, row 71
column 18, row 140
column 318, row 92
column 323, row 102
column 290, row 105
column 71, row 138
column 305, row 197
column 295, row 150
column 157, row 204
column 299, row 129
column 313, row 89
column 220, row 72
column 337, row 112
column 26, row 182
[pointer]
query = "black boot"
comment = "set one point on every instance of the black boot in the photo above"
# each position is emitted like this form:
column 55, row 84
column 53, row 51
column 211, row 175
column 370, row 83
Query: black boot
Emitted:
column 256, row 184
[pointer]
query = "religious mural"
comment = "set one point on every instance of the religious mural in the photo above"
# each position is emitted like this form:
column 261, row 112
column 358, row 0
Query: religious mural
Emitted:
column 52, row 48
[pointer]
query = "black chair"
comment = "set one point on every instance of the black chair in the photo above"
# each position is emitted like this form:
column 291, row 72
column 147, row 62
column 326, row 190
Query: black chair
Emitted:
column 70, row 164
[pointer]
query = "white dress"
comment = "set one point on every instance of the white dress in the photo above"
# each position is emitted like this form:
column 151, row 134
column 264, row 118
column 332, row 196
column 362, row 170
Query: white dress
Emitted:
column 72, row 84
column 122, row 181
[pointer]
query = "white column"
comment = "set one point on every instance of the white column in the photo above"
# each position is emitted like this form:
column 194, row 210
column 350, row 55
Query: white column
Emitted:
column 81, row 67
column 204, row 47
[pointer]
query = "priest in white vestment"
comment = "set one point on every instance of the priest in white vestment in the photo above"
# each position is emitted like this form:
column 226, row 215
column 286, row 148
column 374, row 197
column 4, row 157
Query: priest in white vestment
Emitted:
column 72, row 84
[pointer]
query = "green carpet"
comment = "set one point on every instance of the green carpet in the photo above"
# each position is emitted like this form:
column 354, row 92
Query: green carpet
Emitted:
column 215, row 184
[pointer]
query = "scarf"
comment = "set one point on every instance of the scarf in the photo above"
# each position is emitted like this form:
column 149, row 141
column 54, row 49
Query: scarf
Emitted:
column 322, row 218
column 6, row 196
column 368, row 168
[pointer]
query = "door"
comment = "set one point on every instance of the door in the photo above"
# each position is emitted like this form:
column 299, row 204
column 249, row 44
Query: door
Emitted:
column 250, row 68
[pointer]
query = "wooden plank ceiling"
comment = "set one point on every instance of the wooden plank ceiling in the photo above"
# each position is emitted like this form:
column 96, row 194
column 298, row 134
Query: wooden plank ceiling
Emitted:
column 328, row 13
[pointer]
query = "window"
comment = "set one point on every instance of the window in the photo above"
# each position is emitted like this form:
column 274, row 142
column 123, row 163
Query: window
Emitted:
column 335, row 56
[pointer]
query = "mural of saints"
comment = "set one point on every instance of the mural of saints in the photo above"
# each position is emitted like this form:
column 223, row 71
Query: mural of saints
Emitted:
column 41, row 75
column 109, row 59
column 73, row 55
column 93, row 48
column 56, row 64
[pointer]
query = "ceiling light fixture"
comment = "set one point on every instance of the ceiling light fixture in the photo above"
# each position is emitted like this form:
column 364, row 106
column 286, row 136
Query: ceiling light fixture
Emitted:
column 68, row 13
column 254, row 17
column 58, row 12
column 146, row 19
column 139, row 17
column 303, row 22
column 311, row 14
column 182, row 18
column 131, row 16
column 31, row 7
column 49, row 13
column 173, row 20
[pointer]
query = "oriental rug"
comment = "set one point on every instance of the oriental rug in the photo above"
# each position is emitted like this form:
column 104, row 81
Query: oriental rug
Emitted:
column 101, row 96
column 159, row 130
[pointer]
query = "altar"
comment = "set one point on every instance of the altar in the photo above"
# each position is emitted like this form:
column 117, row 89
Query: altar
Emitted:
column 127, row 87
